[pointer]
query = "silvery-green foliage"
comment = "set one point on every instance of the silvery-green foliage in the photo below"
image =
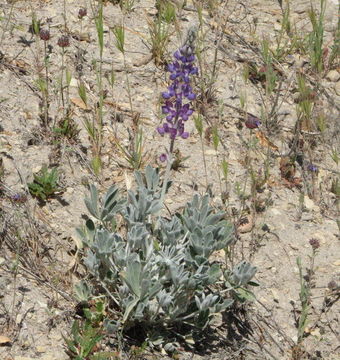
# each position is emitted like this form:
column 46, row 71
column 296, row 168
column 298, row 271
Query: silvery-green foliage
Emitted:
column 208, row 231
column 83, row 291
column 156, row 269
column 242, row 273
column 111, row 204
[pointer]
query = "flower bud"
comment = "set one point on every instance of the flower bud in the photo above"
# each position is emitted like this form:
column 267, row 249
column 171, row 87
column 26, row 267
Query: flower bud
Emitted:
column 44, row 35
column 64, row 41
column 82, row 13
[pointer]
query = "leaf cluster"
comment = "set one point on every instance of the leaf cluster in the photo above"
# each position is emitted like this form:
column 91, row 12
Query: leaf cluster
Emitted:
column 86, row 336
column 45, row 184
column 157, row 271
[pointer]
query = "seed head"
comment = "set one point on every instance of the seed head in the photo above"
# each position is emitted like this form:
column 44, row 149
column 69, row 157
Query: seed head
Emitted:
column 252, row 122
column 332, row 285
column 64, row 41
column 44, row 35
column 314, row 243
column 82, row 13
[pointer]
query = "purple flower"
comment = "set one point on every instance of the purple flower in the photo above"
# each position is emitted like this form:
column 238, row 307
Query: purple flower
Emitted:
column 163, row 157
column 185, row 135
column 19, row 198
column 177, row 106
column 252, row 122
column 312, row 168
column 161, row 130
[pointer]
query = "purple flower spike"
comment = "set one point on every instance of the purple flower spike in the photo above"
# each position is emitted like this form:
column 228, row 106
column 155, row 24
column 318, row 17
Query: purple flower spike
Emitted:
column 177, row 106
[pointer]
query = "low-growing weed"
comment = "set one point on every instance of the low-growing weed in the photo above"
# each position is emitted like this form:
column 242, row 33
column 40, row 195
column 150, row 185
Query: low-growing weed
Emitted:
column 306, row 285
column 316, row 37
column 160, row 31
column 45, row 184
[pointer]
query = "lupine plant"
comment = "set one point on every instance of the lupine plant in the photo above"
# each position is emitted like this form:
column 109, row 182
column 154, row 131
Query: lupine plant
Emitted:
column 179, row 97
column 155, row 270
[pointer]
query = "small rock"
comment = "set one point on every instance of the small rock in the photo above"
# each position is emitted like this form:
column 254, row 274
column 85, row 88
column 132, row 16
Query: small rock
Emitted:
column 36, row 169
column 40, row 349
column 337, row 88
column 74, row 83
column 309, row 204
column 217, row 320
column 152, row 11
column 211, row 152
column 277, row 26
column 5, row 340
column 333, row 76
column 275, row 211
column 70, row 190
column 246, row 225
column 275, row 295
column 48, row 357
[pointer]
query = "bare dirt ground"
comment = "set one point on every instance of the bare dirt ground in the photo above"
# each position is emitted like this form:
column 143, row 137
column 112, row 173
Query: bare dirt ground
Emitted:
column 39, row 262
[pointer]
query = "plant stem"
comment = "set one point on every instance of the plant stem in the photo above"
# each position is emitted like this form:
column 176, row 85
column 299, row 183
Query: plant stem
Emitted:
column 204, row 163
column 61, row 80
column 47, row 87
column 167, row 170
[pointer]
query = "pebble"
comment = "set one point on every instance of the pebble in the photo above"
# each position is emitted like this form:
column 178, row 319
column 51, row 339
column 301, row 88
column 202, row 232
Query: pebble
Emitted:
column 211, row 152
column 277, row 26
column 48, row 357
column 40, row 349
column 74, row 83
column 337, row 88
column 275, row 295
column 309, row 204
column 275, row 211
column 333, row 76
column 36, row 169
